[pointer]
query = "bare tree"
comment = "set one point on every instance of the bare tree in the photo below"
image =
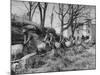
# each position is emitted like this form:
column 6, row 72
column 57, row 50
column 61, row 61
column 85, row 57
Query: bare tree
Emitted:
column 73, row 12
column 31, row 7
column 62, row 14
column 42, row 9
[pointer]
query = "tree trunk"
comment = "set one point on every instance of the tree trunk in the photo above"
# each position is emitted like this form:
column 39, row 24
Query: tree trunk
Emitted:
column 40, row 9
column 44, row 14
column 30, row 11
column 30, row 19
column 61, row 29
column 73, row 34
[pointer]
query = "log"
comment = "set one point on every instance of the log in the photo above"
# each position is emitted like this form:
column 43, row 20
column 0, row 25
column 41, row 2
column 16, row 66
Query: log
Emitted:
column 24, row 58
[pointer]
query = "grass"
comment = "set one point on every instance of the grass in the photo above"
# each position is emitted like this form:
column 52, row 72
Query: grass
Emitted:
column 81, row 59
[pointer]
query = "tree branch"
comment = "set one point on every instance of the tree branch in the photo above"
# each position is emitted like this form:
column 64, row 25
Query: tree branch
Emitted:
column 66, row 27
column 33, row 5
column 58, row 13
column 78, row 9
column 34, row 10
column 67, row 11
column 26, row 6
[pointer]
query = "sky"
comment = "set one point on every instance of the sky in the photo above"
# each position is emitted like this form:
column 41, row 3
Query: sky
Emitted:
column 19, row 9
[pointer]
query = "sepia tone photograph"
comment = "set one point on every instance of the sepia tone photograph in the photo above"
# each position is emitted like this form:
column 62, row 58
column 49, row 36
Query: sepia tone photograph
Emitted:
column 52, row 37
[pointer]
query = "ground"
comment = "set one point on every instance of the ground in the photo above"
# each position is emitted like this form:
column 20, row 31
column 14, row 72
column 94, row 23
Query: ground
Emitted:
column 76, row 58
